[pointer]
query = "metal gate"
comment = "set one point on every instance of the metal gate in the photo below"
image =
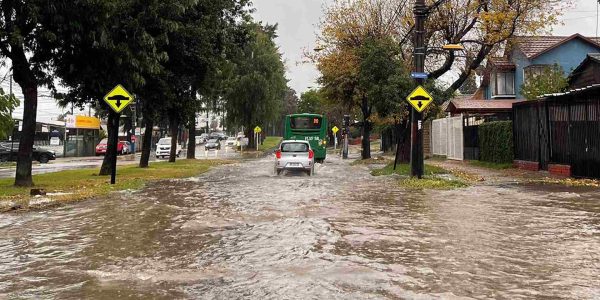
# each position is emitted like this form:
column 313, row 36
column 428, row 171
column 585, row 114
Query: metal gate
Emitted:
column 447, row 137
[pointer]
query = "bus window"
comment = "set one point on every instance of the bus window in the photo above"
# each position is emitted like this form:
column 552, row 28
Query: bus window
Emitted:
column 305, row 123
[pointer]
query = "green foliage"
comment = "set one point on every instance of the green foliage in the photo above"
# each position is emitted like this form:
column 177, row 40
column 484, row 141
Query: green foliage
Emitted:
column 551, row 80
column 496, row 142
column 256, row 86
column 433, row 183
column 311, row 101
column 8, row 102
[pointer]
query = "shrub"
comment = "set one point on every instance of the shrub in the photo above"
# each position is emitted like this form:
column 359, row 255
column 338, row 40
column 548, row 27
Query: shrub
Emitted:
column 496, row 142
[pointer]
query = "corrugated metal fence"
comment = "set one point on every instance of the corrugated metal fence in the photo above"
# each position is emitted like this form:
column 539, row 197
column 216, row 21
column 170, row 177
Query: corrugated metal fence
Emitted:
column 560, row 129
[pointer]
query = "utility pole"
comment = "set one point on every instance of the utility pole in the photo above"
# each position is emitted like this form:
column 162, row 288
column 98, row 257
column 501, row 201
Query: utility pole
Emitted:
column 416, row 136
column 12, row 138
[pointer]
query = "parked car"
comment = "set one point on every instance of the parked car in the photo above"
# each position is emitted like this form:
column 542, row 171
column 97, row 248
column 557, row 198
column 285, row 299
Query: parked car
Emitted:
column 213, row 144
column 200, row 140
column 295, row 155
column 218, row 135
column 123, row 147
column 163, row 148
column 40, row 154
column 231, row 141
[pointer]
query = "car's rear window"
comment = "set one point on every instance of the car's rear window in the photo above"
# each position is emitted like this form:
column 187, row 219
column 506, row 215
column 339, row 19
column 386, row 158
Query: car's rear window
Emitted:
column 294, row 147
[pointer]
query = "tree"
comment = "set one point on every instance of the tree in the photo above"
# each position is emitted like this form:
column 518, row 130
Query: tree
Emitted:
column 124, row 38
column 469, row 87
column 551, row 80
column 29, row 44
column 482, row 27
column 311, row 102
column 8, row 102
column 256, row 86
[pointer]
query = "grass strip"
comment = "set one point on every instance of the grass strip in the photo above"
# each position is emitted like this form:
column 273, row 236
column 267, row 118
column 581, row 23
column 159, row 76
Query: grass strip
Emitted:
column 430, row 180
column 490, row 165
column 404, row 169
column 270, row 143
column 85, row 183
column 435, row 183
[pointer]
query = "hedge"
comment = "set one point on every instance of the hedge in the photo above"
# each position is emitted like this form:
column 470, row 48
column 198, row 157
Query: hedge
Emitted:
column 496, row 142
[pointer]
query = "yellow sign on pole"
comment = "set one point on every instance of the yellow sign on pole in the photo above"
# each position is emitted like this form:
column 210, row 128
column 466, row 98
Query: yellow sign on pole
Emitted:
column 419, row 99
column 257, row 129
column 118, row 98
column 335, row 129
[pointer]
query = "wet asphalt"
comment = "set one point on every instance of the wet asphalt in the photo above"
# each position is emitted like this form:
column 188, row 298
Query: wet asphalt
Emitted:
column 241, row 232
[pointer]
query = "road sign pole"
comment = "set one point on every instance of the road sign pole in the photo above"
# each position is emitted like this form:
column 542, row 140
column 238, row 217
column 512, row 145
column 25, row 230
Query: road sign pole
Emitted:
column 416, row 145
column 113, row 162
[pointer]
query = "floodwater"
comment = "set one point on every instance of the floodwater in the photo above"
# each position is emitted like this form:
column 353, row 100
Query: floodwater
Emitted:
column 240, row 232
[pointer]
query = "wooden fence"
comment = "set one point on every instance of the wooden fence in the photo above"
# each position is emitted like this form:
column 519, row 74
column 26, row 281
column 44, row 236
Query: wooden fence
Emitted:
column 560, row 129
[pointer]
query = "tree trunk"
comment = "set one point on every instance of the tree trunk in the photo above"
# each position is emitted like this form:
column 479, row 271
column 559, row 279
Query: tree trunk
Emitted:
column 147, row 143
column 174, row 136
column 366, row 129
column 250, row 135
column 191, row 148
column 366, row 142
column 23, row 174
column 111, row 147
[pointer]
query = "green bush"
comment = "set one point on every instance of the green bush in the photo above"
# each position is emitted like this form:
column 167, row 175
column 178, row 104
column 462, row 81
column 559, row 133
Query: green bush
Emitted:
column 496, row 142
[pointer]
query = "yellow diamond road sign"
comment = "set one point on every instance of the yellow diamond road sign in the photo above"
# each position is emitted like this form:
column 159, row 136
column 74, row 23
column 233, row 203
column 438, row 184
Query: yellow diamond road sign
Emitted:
column 118, row 98
column 257, row 129
column 419, row 99
column 335, row 129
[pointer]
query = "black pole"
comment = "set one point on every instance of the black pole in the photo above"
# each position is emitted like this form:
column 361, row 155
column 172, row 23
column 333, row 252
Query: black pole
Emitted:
column 416, row 145
column 113, row 162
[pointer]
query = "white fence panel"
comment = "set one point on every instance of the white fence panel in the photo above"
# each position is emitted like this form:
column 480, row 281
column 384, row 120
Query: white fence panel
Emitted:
column 447, row 137
column 438, row 137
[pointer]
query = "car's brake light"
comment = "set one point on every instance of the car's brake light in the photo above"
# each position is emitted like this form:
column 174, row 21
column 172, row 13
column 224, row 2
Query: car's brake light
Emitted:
column 311, row 154
column 278, row 154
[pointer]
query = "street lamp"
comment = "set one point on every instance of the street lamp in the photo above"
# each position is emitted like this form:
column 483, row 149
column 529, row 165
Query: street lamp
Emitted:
column 453, row 47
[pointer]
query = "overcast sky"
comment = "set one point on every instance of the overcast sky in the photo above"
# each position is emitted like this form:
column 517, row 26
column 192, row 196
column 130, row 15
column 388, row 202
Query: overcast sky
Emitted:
column 298, row 22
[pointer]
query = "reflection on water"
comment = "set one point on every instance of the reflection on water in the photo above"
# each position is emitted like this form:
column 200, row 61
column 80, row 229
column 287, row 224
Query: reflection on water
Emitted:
column 241, row 232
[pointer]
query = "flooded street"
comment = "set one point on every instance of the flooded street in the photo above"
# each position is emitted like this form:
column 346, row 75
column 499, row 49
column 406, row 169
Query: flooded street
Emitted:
column 240, row 232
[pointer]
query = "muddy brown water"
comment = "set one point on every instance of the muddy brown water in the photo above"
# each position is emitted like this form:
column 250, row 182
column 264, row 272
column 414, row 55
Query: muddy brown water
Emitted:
column 240, row 232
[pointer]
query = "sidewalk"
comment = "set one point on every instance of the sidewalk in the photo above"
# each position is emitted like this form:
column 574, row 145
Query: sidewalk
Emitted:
column 508, row 176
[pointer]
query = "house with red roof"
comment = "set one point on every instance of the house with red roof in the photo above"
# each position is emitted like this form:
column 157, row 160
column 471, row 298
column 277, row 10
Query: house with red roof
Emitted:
column 526, row 57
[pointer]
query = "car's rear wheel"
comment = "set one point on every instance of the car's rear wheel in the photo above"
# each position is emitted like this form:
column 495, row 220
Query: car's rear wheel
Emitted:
column 44, row 158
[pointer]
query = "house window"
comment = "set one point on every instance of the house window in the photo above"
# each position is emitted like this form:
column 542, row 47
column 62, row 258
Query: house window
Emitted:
column 534, row 71
column 504, row 84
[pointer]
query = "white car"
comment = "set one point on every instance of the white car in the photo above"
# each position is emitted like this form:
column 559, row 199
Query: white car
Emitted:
column 295, row 155
column 163, row 148
column 231, row 142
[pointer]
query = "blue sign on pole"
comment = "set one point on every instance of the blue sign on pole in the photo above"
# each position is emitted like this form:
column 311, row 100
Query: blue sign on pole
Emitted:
column 419, row 75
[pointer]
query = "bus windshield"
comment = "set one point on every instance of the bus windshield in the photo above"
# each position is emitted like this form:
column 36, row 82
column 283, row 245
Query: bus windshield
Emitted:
column 305, row 123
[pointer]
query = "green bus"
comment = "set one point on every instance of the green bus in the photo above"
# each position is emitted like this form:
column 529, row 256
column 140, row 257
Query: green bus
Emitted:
column 311, row 128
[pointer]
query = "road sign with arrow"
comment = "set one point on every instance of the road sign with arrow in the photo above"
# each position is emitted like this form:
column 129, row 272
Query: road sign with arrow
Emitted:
column 118, row 98
column 419, row 99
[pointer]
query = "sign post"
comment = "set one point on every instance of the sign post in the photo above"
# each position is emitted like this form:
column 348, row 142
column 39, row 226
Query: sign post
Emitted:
column 418, row 103
column 346, row 133
column 335, row 131
column 257, row 131
column 117, row 99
